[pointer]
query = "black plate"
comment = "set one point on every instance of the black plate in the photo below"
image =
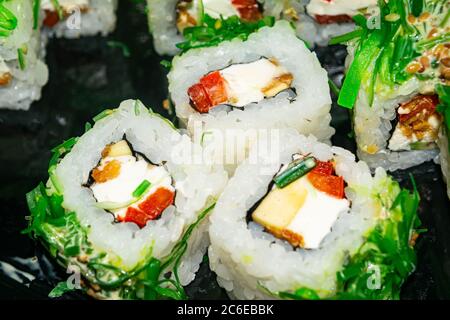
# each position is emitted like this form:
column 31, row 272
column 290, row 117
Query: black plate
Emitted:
column 89, row 75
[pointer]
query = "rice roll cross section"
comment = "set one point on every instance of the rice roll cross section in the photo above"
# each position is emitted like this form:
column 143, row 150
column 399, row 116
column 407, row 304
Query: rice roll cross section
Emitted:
column 244, row 88
column 240, row 84
column 23, row 72
column 189, row 11
column 129, row 187
column 124, row 206
column 303, row 211
column 76, row 18
column 312, row 224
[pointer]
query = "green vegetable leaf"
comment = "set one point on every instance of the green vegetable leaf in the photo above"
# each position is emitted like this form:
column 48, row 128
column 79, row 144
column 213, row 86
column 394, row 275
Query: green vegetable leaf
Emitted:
column 8, row 21
column 120, row 45
column 383, row 53
column 21, row 53
column 60, row 289
column 444, row 106
column 368, row 51
column 36, row 10
column 58, row 9
column 167, row 64
column 417, row 7
column 212, row 31
column 103, row 114
column 387, row 256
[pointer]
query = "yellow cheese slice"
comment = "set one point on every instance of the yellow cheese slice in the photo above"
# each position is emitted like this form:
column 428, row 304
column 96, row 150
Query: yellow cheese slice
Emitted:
column 280, row 206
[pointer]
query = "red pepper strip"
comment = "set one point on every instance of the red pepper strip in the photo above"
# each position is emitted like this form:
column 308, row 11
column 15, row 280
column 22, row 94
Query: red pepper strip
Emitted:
column 209, row 92
column 151, row 208
column 419, row 104
column 157, row 202
column 51, row 18
column 324, row 168
column 332, row 185
column 215, row 87
column 199, row 98
column 326, row 19
column 248, row 9
column 137, row 216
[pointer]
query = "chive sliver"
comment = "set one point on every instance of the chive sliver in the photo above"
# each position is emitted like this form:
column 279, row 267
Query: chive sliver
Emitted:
column 142, row 188
column 294, row 172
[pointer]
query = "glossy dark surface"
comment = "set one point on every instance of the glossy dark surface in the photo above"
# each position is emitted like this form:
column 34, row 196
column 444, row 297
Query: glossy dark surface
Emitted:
column 87, row 76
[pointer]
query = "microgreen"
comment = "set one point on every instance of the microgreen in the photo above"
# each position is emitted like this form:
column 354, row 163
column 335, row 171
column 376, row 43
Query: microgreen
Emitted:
column 382, row 53
column 212, row 31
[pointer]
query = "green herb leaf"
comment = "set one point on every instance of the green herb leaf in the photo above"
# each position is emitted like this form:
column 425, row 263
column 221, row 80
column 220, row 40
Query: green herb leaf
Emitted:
column 120, row 45
column 212, row 31
column 444, row 106
column 346, row 37
column 167, row 64
column 36, row 10
column 21, row 58
column 382, row 54
column 368, row 50
column 103, row 114
column 8, row 21
column 58, row 9
column 417, row 7
column 334, row 88
column 60, row 289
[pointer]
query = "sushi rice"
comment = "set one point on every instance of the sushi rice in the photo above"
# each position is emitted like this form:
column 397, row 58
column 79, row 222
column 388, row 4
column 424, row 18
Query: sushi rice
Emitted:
column 100, row 18
column 21, row 58
column 252, row 264
column 115, row 258
column 162, row 24
column 308, row 112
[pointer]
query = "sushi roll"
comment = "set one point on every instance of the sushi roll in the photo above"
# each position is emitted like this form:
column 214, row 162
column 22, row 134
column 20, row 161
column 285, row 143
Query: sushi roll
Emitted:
column 269, row 81
column 335, row 17
column 312, row 224
column 77, row 18
column 23, row 72
column 391, row 83
column 169, row 19
column 125, row 208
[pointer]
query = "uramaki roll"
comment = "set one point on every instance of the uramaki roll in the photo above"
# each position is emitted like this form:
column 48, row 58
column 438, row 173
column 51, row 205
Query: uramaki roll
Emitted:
column 124, row 208
column 322, row 226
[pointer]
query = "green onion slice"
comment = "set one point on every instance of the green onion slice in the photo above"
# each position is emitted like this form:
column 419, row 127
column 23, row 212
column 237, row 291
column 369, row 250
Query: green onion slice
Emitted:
column 142, row 188
column 295, row 171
